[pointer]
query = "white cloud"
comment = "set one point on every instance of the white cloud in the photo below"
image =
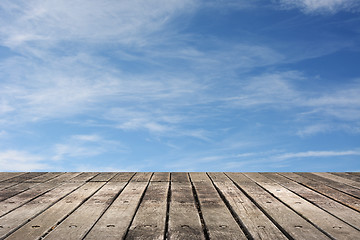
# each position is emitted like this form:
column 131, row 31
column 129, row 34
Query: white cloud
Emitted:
column 79, row 146
column 322, row 6
column 286, row 156
column 126, row 22
column 13, row 160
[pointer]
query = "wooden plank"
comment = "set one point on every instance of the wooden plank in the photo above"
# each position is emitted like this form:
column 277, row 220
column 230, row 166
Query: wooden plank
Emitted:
column 149, row 221
column 199, row 177
column 286, row 219
column 184, row 220
column 47, row 220
column 347, row 175
column 81, row 176
column 340, row 180
column 15, row 189
column 44, row 177
column 161, row 177
column 23, row 214
column 142, row 177
column 217, row 217
column 24, row 177
column 335, row 194
column 179, row 177
column 341, row 211
column 8, row 175
column 24, row 197
column 4, row 185
column 254, row 220
column 80, row 222
column 117, row 218
column 103, row 177
column 218, row 177
column 333, row 184
column 334, row 227
column 122, row 177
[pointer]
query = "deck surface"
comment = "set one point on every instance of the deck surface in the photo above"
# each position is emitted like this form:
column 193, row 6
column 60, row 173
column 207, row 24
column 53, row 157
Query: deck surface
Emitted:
column 195, row 205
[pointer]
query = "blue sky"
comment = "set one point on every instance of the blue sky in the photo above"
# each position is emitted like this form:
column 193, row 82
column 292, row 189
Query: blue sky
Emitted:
column 170, row 85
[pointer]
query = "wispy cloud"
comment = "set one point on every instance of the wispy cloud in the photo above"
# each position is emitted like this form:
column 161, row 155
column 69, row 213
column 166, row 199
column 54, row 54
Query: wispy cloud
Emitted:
column 13, row 160
column 78, row 146
column 322, row 6
column 309, row 154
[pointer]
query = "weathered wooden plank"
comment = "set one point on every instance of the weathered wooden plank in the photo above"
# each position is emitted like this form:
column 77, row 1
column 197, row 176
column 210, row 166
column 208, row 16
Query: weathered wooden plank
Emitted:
column 340, row 180
column 335, row 194
column 288, row 220
column 161, row 177
column 331, row 225
column 149, row 221
column 15, row 189
column 23, row 214
column 254, row 220
column 184, row 220
column 122, row 177
column 347, row 175
column 44, row 177
column 218, row 177
column 180, row 177
column 142, row 177
column 103, row 177
column 24, row 197
column 4, row 185
column 56, row 213
column 81, row 221
column 8, row 175
column 336, row 185
column 117, row 218
column 199, row 177
column 341, row 211
column 81, row 176
column 24, row 177
column 217, row 217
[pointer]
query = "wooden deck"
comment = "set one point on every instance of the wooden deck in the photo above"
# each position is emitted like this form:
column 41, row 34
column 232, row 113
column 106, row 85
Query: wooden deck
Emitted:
column 197, row 205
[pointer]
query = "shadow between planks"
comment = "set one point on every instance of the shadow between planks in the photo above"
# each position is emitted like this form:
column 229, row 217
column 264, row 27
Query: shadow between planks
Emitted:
column 179, row 205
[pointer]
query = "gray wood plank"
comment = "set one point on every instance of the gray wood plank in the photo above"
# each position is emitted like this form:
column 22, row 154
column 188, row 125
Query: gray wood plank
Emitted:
column 4, row 185
column 23, row 214
column 161, row 177
column 199, row 177
column 341, row 211
column 117, row 218
column 122, row 177
column 255, row 221
column 24, row 177
column 184, row 219
column 8, row 175
column 81, row 221
column 322, row 219
column 142, row 177
column 217, row 217
column 81, row 176
column 44, row 177
column 149, row 221
column 293, row 224
column 24, row 197
column 335, row 194
column 103, row 177
column 340, row 180
column 179, row 177
column 336, row 185
column 347, row 175
column 47, row 220
column 15, row 189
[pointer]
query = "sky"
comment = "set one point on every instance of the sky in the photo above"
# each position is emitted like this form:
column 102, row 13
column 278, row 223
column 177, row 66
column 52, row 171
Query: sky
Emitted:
column 180, row 85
